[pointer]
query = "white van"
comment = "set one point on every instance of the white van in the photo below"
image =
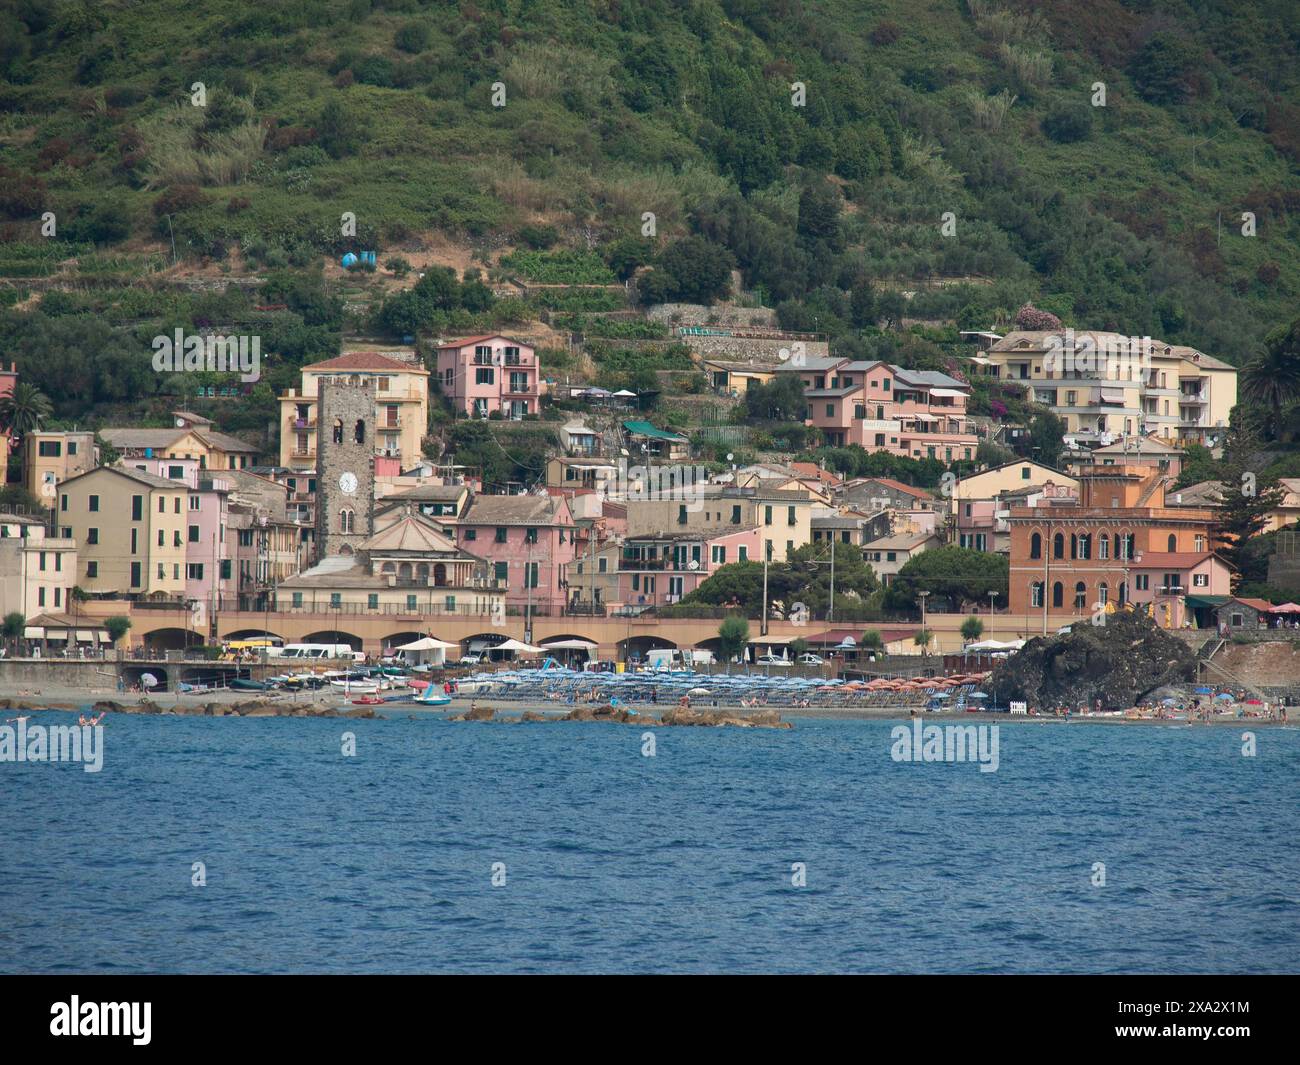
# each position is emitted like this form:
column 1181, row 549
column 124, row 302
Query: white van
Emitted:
column 672, row 658
column 317, row 652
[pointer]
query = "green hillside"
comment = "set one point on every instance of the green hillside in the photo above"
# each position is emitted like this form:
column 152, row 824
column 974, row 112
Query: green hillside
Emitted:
column 1123, row 216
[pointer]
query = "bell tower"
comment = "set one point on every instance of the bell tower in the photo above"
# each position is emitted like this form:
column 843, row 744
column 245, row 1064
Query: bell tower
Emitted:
column 345, row 466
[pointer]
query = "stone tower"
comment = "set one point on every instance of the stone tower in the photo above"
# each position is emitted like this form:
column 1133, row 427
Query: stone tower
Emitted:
column 345, row 467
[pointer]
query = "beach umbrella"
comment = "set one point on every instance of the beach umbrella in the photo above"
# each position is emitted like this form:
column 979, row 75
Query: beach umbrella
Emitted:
column 977, row 695
column 1224, row 695
column 148, row 680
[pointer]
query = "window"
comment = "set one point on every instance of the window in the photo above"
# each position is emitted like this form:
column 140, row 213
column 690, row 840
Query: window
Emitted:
column 297, row 600
column 681, row 514
column 501, row 534
column 194, row 534
column 346, row 520
column 1036, row 594
column 767, row 515
column 93, row 505
column 1036, row 546
column 1058, row 594
column 196, row 503
column 194, row 571
column 92, row 536
column 135, row 574
column 449, row 604
column 471, row 534
column 51, row 449
column 176, row 473
column 177, row 508
column 63, row 503
column 1200, row 580
column 336, row 600
column 484, row 375
column 1173, row 543
column 137, row 508
column 225, row 569
column 1142, row 582
column 735, row 515
column 718, row 555
column 411, row 603
column 830, row 410
column 1103, row 546
column 530, row 536
column 1024, row 473
column 501, row 571
column 40, row 596
column 789, row 516
column 162, row 537
column 1080, row 595
column 743, row 553
column 530, row 574
column 1058, row 545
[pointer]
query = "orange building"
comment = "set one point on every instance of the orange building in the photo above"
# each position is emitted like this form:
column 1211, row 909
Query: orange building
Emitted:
column 1067, row 560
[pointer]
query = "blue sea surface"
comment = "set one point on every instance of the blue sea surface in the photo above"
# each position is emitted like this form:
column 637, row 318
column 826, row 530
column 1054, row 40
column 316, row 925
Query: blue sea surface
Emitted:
column 681, row 862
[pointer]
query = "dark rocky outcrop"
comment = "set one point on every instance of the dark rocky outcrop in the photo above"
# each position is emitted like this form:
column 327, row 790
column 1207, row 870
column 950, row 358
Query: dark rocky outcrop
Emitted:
column 1118, row 662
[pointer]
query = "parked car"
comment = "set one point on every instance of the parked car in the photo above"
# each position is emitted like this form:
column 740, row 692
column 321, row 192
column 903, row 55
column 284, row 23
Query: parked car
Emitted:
column 810, row 659
column 771, row 660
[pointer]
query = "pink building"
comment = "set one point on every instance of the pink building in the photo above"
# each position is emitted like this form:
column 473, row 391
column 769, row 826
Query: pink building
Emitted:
column 490, row 373
column 659, row 568
column 1163, row 579
column 882, row 407
column 528, row 541
column 210, row 576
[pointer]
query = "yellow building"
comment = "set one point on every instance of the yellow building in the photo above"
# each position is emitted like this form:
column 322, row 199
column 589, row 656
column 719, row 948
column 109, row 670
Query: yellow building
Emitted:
column 37, row 572
column 401, row 391
column 50, row 458
column 1106, row 384
column 190, row 437
column 131, row 530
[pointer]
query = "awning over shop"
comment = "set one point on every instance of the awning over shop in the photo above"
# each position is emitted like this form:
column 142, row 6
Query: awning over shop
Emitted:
column 34, row 632
column 85, row 635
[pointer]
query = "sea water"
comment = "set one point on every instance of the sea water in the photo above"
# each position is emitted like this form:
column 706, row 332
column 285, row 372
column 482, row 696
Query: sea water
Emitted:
column 258, row 845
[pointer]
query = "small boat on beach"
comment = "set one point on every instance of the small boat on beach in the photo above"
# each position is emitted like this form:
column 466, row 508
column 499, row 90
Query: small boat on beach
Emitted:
column 432, row 696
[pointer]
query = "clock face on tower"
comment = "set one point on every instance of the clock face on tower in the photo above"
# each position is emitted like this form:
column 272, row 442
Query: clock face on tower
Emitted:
column 348, row 483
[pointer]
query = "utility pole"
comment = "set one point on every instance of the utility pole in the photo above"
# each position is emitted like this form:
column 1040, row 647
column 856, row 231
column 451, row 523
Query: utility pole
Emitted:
column 763, row 627
column 830, row 606
column 528, row 588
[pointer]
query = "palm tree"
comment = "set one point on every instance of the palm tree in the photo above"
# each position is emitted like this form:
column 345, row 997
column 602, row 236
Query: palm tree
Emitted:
column 1272, row 378
column 24, row 409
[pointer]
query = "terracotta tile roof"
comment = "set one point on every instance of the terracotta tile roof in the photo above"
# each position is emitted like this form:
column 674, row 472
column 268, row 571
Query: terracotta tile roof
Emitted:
column 365, row 360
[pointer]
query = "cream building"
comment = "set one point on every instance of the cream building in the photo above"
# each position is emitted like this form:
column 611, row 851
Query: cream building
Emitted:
column 37, row 572
column 401, row 391
column 131, row 530
column 783, row 518
column 1105, row 385
column 408, row 568
column 993, row 482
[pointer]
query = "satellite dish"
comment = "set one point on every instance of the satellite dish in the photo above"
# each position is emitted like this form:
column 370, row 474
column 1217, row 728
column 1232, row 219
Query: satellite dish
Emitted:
column 693, row 564
column 180, row 423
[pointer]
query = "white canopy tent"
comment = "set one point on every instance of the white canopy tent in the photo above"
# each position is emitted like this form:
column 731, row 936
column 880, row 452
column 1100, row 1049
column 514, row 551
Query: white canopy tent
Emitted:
column 427, row 649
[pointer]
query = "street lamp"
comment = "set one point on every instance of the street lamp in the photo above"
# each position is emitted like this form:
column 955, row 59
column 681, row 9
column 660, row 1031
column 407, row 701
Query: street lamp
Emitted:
column 923, row 596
